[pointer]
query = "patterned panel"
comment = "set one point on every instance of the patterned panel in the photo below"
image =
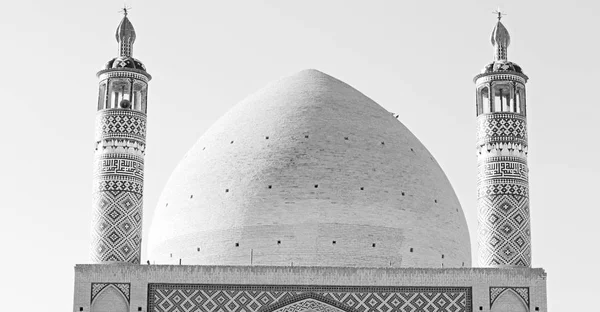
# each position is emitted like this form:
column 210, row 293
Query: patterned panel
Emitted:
column 308, row 304
column 501, row 127
column 117, row 227
column 121, row 123
column 504, row 168
column 97, row 288
column 504, row 235
column 118, row 188
column 254, row 298
column 522, row 292
column 503, row 191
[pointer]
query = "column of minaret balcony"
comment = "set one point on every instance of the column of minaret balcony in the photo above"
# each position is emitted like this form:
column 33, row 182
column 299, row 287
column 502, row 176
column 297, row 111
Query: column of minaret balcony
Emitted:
column 119, row 155
column 503, row 186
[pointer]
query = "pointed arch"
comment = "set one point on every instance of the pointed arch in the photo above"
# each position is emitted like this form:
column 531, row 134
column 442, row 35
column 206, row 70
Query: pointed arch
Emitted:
column 110, row 299
column 308, row 302
column 509, row 301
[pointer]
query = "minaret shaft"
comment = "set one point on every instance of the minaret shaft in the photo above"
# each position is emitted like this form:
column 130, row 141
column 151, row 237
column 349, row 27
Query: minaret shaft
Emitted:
column 503, row 190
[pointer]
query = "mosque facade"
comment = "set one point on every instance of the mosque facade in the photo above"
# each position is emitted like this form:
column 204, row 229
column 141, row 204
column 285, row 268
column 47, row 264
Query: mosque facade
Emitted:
column 309, row 196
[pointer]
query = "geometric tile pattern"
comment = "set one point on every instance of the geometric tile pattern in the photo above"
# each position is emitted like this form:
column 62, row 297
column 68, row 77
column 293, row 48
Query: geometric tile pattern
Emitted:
column 121, row 123
column 295, row 298
column 522, row 292
column 118, row 188
column 97, row 288
column 503, row 191
column 501, row 127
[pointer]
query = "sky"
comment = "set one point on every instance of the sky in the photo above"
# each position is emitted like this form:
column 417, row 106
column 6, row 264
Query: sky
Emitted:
column 415, row 58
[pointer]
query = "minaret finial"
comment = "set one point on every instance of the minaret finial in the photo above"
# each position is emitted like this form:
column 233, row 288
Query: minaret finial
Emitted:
column 125, row 34
column 125, row 9
column 500, row 39
column 499, row 13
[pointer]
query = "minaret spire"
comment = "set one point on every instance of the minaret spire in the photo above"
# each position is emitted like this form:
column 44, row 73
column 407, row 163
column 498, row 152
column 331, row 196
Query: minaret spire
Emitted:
column 125, row 35
column 502, row 148
column 500, row 39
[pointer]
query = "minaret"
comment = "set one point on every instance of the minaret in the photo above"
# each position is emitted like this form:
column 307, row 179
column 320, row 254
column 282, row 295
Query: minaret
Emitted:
column 502, row 184
column 119, row 155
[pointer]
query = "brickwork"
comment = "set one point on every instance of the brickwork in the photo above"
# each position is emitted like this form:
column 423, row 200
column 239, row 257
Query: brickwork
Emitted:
column 157, row 287
column 118, row 186
column 503, row 190
column 306, row 162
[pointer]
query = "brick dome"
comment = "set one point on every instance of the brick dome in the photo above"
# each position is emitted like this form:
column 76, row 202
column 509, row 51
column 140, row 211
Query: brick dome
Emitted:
column 309, row 172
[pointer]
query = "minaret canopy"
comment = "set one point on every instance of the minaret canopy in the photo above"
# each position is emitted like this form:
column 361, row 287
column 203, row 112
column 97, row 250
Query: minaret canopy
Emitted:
column 500, row 40
column 125, row 36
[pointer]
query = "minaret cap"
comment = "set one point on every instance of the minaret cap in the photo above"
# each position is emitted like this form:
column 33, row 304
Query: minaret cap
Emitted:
column 125, row 36
column 500, row 40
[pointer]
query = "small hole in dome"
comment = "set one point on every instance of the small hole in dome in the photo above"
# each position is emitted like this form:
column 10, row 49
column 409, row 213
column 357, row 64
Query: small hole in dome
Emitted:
column 237, row 244
column 270, row 186
column 412, row 150
column 382, row 143
column 362, row 188
column 231, row 142
column 403, row 194
column 139, row 308
column 442, row 256
column 191, row 196
column 167, row 205
column 411, row 249
column 278, row 242
column 198, row 249
column 374, row 244
column 480, row 308
column 435, row 201
column 306, row 136
column 266, row 138
column 334, row 242
column 204, row 148
column 226, row 190
column 346, row 138
column 316, row 185
column 171, row 255
column 537, row 308
column 80, row 308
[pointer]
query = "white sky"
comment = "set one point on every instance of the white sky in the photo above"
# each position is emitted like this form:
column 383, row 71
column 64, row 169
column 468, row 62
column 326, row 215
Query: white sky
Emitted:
column 415, row 58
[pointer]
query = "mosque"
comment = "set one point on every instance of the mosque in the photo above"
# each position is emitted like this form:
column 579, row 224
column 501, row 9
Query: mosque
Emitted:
column 309, row 196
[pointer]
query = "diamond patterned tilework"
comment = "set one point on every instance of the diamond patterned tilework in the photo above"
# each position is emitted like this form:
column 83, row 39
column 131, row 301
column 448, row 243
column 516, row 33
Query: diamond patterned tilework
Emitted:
column 121, row 123
column 254, row 298
column 97, row 288
column 501, row 127
column 503, row 192
column 118, row 189
column 495, row 292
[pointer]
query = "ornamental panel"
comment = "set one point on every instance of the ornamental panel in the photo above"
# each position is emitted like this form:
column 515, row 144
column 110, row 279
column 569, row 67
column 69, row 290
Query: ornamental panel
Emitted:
column 269, row 298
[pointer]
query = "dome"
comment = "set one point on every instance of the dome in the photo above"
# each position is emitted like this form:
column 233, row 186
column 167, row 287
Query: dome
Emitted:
column 502, row 66
column 309, row 172
column 124, row 62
